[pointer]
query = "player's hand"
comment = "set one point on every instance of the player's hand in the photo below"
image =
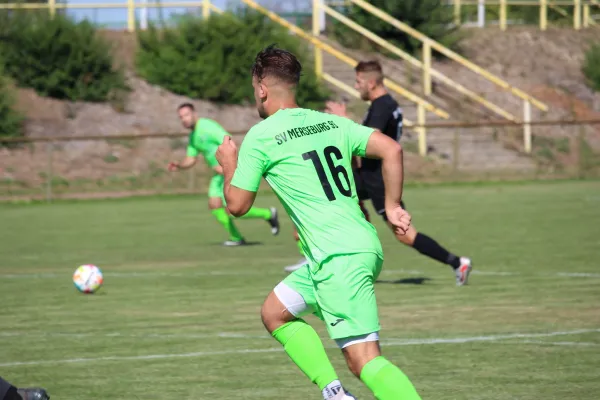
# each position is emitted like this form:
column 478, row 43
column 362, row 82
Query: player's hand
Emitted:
column 173, row 166
column 399, row 218
column 339, row 109
column 227, row 153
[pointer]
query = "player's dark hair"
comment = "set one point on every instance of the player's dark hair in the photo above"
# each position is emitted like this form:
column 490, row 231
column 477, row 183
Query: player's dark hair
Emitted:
column 277, row 63
column 372, row 66
column 186, row 105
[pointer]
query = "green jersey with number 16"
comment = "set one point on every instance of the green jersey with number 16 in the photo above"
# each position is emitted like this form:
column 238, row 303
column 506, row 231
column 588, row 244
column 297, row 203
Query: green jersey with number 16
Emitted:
column 306, row 157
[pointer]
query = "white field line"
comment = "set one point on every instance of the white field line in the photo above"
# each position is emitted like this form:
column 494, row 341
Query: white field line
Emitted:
column 561, row 343
column 388, row 342
column 233, row 335
column 489, row 338
column 578, row 274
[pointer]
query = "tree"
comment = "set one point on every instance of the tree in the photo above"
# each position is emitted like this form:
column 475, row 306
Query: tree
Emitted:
column 432, row 18
column 211, row 58
column 58, row 57
column 591, row 66
column 11, row 122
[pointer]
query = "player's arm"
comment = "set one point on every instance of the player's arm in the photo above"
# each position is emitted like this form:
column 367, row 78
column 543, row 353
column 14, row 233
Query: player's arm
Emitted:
column 187, row 162
column 366, row 142
column 390, row 152
column 191, row 156
column 239, row 201
column 241, row 179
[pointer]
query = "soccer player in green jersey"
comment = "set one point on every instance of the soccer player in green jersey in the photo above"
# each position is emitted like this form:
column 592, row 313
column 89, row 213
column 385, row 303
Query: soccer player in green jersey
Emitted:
column 305, row 156
column 205, row 136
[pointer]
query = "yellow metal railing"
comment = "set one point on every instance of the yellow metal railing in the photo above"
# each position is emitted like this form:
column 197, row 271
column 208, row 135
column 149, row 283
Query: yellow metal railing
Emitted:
column 207, row 7
column 320, row 46
column 425, row 65
column 582, row 17
column 428, row 72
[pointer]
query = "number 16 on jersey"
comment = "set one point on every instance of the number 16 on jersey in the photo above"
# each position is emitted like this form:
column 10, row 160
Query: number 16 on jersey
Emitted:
column 336, row 171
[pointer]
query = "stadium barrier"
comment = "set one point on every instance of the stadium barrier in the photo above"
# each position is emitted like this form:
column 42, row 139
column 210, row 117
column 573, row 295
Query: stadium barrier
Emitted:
column 48, row 168
column 585, row 12
column 321, row 9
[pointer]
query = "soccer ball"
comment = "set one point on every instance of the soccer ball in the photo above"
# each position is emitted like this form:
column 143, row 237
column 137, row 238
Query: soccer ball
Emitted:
column 88, row 278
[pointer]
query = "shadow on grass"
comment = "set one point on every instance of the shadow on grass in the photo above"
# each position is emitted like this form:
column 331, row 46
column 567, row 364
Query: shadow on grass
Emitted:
column 406, row 281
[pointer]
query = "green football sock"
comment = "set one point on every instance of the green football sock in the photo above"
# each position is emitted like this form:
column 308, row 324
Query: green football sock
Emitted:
column 304, row 347
column 299, row 247
column 227, row 222
column 387, row 382
column 255, row 212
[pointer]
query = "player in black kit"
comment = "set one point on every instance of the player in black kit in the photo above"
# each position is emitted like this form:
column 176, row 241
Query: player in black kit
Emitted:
column 385, row 115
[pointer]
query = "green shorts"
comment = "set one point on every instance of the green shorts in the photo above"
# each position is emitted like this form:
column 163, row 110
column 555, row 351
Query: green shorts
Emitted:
column 341, row 293
column 215, row 187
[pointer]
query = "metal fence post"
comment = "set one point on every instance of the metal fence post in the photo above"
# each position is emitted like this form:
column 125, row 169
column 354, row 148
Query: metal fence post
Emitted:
column 144, row 16
column 577, row 14
column 316, row 11
column 527, row 126
column 543, row 14
column 503, row 15
column 49, row 173
column 205, row 9
column 457, row 11
column 421, row 130
column 131, row 15
column 481, row 13
column 426, row 68
column 455, row 150
column 580, row 158
column 52, row 7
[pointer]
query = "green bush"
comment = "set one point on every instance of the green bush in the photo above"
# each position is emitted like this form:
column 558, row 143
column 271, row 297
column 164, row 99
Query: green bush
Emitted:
column 211, row 59
column 591, row 66
column 433, row 18
column 11, row 122
column 58, row 57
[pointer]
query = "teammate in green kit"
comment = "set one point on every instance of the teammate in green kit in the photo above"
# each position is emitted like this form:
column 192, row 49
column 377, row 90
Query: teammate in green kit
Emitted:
column 205, row 136
column 306, row 157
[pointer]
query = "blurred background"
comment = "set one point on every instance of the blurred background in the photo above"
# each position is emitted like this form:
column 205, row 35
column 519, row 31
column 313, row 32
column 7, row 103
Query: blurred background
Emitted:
column 501, row 105
column 490, row 90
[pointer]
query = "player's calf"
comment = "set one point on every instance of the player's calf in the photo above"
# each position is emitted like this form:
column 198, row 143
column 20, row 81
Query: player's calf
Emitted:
column 385, row 380
column 359, row 350
column 280, row 314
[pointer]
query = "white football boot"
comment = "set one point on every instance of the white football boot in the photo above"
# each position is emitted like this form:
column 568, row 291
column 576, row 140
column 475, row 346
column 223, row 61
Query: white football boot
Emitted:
column 462, row 272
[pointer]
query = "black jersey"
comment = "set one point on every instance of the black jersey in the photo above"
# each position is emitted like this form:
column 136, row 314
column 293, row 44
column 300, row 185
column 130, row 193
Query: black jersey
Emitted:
column 386, row 116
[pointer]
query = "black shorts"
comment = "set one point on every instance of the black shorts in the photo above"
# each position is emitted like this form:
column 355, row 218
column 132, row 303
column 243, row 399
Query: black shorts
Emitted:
column 369, row 185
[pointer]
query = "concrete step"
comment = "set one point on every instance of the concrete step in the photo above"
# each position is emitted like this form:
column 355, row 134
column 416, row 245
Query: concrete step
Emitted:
column 477, row 148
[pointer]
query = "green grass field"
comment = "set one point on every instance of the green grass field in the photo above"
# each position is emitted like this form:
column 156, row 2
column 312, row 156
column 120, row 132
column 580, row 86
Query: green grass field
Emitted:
column 178, row 317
